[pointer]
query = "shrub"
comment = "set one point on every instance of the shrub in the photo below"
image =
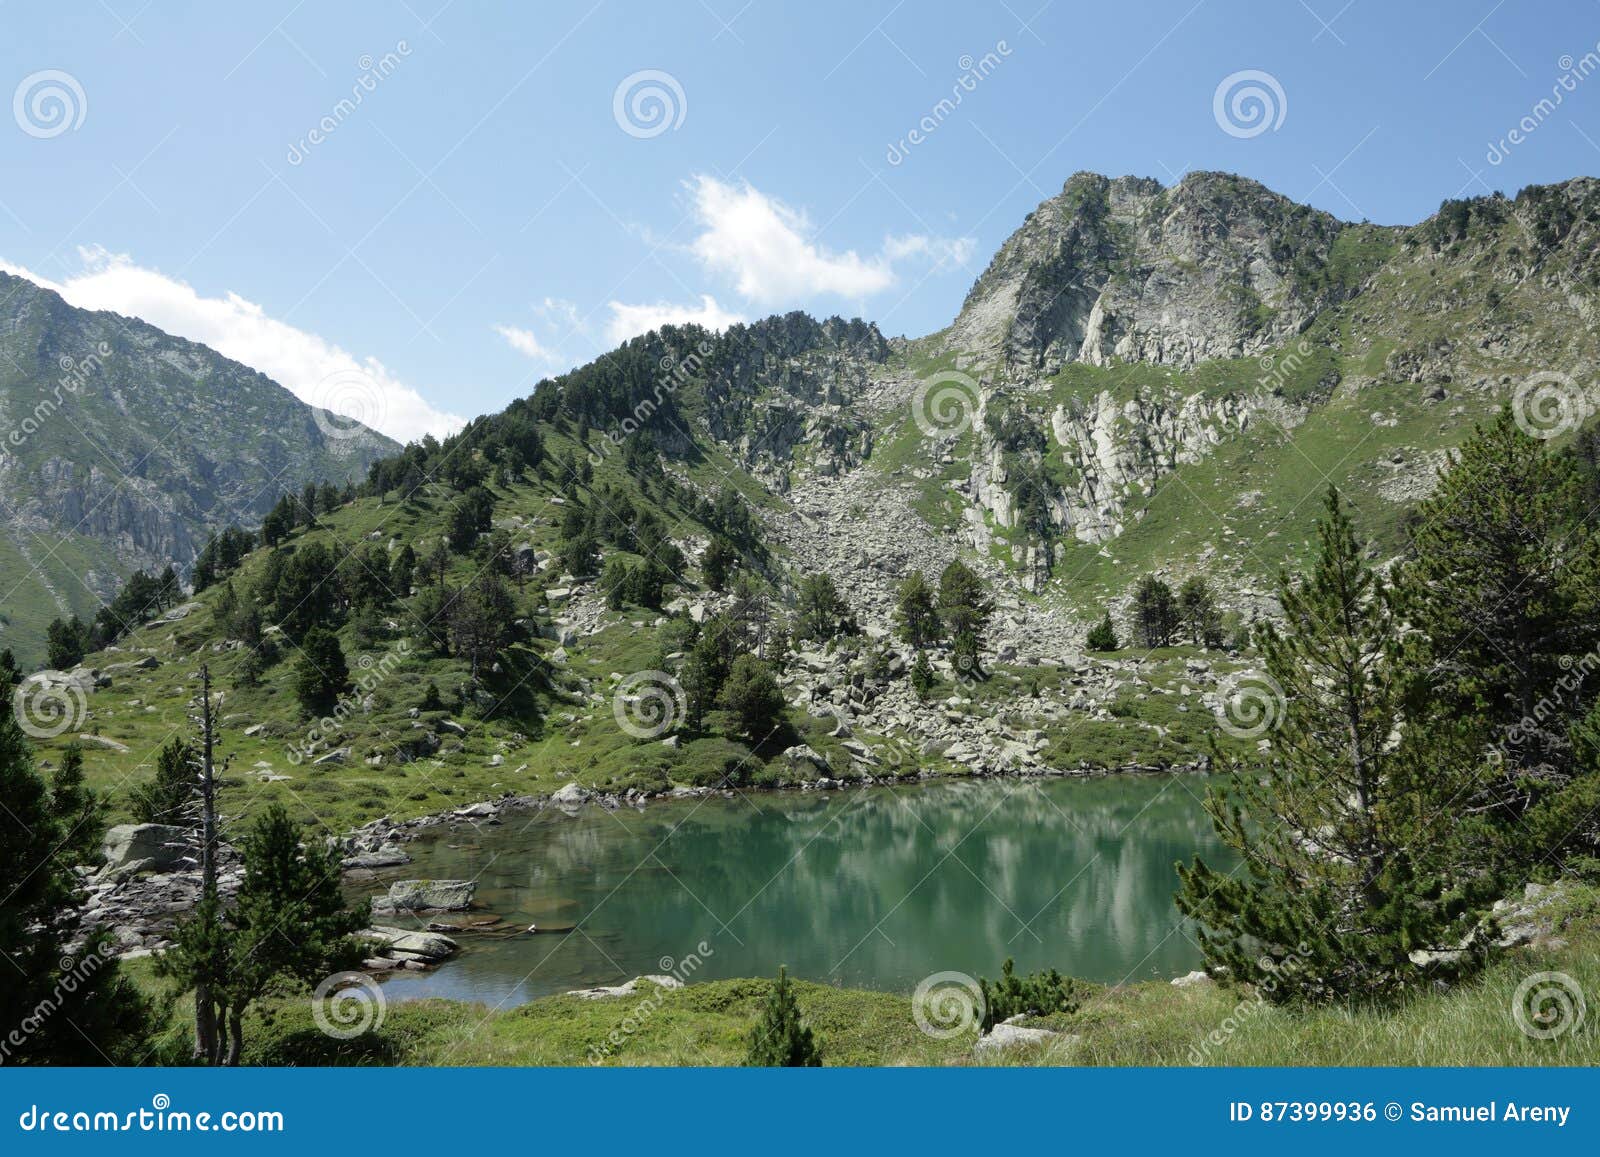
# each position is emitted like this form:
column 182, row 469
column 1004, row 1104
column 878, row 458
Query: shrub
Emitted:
column 1102, row 636
column 1039, row 994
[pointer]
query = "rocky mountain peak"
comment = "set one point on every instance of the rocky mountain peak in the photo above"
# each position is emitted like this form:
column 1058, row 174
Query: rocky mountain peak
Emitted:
column 1125, row 269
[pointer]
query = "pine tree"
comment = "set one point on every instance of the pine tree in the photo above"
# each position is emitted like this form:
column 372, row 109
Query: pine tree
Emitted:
column 922, row 677
column 754, row 699
column 716, row 565
column 1504, row 591
column 320, row 673
column 615, row 581
column 1102, row 636
column 290, row 919
column 706, row 668
column 781, row 1039
column 80, row 811
column 80, row 1008
column 482, row 622
column 1354, row 850
column 401, row 571
column 1199, row 613
column 166, row 798
column 916, row 616
column 1155, row 613
column 820, row 611
column 964, row 606
column 289, row 922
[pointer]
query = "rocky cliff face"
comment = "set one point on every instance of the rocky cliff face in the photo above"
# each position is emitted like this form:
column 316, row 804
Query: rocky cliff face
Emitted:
column 1117, row 451
column 1124, row 269
column 791, row 382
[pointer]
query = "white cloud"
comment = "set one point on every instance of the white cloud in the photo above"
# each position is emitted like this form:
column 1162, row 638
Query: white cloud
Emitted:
column 764, row 246
column 313, row 369
column 631, row 320
column 526, row 342
column 942, row 251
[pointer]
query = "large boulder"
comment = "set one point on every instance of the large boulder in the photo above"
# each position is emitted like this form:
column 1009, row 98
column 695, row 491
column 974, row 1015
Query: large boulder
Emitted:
column 570, row 795
column 426, row 896
column 428, row 945
column 162, row 845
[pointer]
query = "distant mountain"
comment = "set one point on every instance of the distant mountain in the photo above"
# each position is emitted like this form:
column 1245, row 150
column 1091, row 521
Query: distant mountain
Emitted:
column 124, row 447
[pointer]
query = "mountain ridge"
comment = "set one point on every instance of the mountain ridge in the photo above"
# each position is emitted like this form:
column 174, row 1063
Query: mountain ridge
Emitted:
column 124, row 447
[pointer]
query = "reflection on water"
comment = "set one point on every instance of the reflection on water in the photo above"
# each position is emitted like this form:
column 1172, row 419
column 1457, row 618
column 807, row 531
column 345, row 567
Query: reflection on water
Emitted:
column 874, row 888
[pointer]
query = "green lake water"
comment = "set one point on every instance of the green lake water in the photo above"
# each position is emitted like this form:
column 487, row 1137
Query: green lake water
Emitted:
column 870, row 888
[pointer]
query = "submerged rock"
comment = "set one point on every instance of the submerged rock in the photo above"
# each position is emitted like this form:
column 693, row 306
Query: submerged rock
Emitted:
column 426, row 896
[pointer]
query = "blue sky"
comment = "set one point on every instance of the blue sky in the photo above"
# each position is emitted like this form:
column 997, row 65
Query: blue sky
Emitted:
column 495, row 207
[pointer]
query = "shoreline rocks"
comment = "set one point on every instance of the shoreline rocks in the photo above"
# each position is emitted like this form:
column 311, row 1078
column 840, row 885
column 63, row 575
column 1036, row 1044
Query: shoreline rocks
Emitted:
column 426, row 896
